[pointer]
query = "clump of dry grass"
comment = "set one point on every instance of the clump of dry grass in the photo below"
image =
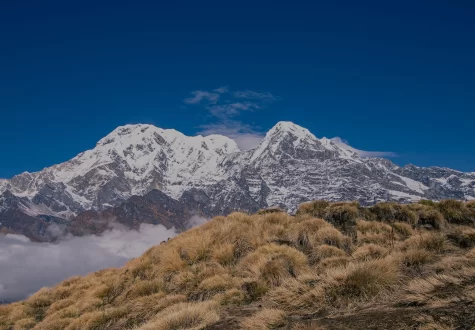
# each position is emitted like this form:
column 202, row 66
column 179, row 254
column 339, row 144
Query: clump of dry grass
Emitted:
column 333, row 237
column 457, row 212
column 273, row 263
column 428, row 216
column 415, row 257
column 370, row 251
column 232, row 296
column 373, row 227
column 403, row 229
column 462, row 236
column 391, row 212
column 342, row 215
column 265, row 319
column 315, row 208
column 269, row 269
column 359, row 281
column 184, row 316
column 431, row 241
column 325, row 251
column 145, row 288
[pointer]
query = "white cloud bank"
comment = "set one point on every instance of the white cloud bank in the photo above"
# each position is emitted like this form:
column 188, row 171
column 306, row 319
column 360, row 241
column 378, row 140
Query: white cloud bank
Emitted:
column 27, row 266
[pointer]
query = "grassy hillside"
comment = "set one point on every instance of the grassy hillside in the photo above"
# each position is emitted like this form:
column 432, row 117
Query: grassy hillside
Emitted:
column 332, row 266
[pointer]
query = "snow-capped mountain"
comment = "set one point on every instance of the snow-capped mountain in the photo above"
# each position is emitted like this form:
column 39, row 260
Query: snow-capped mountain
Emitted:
column 131, row 160
column 211, row 174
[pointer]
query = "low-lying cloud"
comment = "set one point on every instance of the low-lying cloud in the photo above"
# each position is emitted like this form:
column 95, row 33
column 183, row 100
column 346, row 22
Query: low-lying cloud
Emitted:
column 27, row 266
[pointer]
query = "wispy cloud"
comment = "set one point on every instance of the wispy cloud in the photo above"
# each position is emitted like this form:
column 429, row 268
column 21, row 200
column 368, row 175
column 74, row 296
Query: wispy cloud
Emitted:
column 221, row 90
column 199, row 96
column 225, row 106
column 224, row 111
column 254, row 95
column 362, row 153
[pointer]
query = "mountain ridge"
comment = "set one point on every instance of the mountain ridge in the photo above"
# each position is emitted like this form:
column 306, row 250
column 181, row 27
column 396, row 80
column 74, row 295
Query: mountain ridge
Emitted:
column 290, row 166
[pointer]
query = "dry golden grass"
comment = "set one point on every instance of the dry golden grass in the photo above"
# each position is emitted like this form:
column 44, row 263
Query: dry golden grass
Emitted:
column 270, row 270
column 431, row 241
column 265, row 319
column 403, row 229
column 184, row 316
column 359, row 281
column 370, row 251
column 415, row 257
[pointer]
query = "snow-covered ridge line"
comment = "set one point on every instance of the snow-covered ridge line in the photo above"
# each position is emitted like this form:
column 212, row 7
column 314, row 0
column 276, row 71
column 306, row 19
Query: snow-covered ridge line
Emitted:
column 290, row 165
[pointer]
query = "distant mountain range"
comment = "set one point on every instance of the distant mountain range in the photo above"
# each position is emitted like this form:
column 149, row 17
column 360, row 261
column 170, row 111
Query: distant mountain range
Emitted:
column 145, row 174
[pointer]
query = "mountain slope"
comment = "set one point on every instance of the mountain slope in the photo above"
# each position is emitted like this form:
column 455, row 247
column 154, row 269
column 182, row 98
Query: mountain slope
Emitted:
column 214, row 177
column 389, row 266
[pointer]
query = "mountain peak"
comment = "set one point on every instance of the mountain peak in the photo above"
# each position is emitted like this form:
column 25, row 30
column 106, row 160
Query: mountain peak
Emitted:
column 128, row 131
column 285, row 133
column 290, row 127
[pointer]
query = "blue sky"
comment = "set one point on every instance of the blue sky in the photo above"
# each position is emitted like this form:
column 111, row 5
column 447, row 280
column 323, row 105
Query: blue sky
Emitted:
column 396, row 76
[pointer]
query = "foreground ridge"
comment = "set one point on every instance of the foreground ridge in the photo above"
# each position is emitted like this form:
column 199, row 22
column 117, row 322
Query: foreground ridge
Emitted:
column 331, row 266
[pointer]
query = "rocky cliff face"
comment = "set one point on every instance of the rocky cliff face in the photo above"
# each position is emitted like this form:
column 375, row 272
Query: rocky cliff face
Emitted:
column 211, row 176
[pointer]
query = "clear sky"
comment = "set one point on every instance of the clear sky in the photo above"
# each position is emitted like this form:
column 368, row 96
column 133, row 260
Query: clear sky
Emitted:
column 395, row 76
